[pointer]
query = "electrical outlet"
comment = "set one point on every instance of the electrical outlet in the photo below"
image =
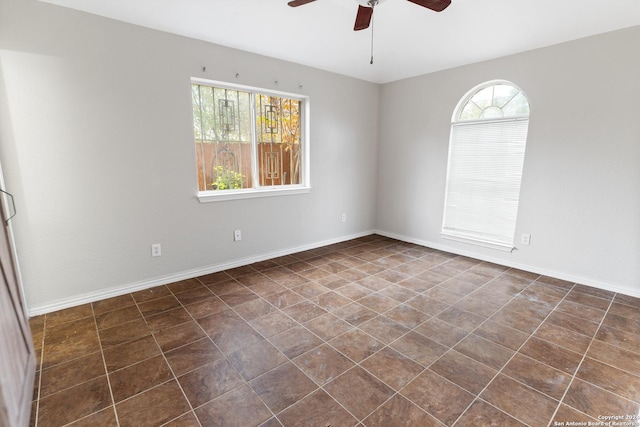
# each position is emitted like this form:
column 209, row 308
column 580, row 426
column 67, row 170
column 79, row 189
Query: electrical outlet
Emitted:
column 237, row 235
column 156, row 249
column 525, row 239
column 344, row 217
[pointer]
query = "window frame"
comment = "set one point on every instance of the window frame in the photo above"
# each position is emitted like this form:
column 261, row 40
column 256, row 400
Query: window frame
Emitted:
column 456, row 120
column 257, row 190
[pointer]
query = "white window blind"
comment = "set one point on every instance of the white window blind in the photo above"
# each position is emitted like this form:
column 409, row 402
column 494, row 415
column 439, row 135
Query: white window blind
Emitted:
column 486, row 159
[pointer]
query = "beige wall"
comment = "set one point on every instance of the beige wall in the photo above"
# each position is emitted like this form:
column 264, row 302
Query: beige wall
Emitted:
column 96, row 143
column 580, row 195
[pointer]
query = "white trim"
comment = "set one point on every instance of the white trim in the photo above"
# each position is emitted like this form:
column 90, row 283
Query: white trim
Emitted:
column 468, row 218
column 525, row 267
column 246, row 88
column 164, row 280
column 305, row 160
column 500, row 120
column 249, row 193
column 455, row 117
column 12, row 243
column 184, row 275
column 484, row 243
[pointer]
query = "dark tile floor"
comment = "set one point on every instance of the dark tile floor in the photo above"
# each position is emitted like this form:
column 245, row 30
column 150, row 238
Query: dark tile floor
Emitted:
column 370, row 332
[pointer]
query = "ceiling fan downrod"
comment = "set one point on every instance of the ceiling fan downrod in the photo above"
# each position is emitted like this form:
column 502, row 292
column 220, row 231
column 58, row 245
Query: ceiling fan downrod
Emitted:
column 373, row 4
column 364, row 17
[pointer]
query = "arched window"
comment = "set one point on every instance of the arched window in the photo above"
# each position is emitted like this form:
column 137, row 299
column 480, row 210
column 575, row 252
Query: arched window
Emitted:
column 486, row 156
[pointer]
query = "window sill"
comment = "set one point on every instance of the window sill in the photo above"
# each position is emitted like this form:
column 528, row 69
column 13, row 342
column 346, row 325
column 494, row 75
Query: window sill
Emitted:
column 484, row 243
column 220, row 196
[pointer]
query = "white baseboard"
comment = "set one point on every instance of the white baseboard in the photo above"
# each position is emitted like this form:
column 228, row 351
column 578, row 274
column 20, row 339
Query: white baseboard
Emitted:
column 533, row 269
column 164, row 280
column 189, row 274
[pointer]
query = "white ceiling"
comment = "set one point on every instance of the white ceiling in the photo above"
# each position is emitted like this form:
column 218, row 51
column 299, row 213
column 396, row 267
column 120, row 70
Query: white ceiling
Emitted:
column 409, row 40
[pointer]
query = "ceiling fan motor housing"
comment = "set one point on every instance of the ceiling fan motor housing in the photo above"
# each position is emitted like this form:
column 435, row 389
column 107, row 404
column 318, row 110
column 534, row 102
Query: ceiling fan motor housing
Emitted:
column 370, row 3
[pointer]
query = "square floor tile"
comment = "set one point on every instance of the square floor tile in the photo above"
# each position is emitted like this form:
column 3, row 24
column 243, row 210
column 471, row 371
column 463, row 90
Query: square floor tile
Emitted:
column 74, row 403
column 137, row 378
column 192, row 356
column 594, row 401
column 356, row 345
column 384, row 329
column 323, row 364
column 438, row 396
column 393, row 368
column 256, row 359
column 71, row 373
column 484, row 351
column 399, row 410
column 328, row 326
column 366, row 332
column 442, row 332
column 508, row 395
column 551, row 354
column 209, row 381
column 282, row 386
column 537, row 375
column 153, row 407
column 419, row 348
column 317, row 409
column 482, row 414
column 500, row 334
column 612, row 379
column 371, row 392
column 237, row 408
column 295, row 341
column 463, row 371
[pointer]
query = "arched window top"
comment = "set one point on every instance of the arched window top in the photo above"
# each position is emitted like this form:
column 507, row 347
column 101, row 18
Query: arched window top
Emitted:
column 486, row 159
column 491, row 101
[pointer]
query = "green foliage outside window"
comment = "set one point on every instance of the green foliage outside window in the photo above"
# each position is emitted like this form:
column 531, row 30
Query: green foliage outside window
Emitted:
column 227, row 179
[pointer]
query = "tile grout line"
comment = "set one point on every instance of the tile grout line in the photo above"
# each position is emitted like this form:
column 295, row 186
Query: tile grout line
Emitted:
column 385, row 345
column 41, row 363
column 395, row 393
column 348, row 251
column 100, row 349
column 424, row 368
column 326, row 342
column 152, row 334
column 476, row 397
column 102, row 353
column 358, row 364
column 584, row 356
column 226, row 357
column 289, row 360
column 452, row 347
column 136, row 302
column 164, row 356
column 560, row 401
column 230, row 308
column 499, row 371
column 246, row 382
column 104, row 362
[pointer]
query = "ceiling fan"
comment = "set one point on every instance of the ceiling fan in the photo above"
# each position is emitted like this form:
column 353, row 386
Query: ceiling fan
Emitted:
column 365, row 9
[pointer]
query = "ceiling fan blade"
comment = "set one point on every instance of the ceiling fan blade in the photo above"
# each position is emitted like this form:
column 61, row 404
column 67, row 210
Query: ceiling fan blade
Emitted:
column 435, row 5
column 296, row 3
column 363, row 18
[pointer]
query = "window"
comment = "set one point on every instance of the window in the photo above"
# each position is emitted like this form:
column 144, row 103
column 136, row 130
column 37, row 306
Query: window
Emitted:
column 248, row 142
column 486, row 157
